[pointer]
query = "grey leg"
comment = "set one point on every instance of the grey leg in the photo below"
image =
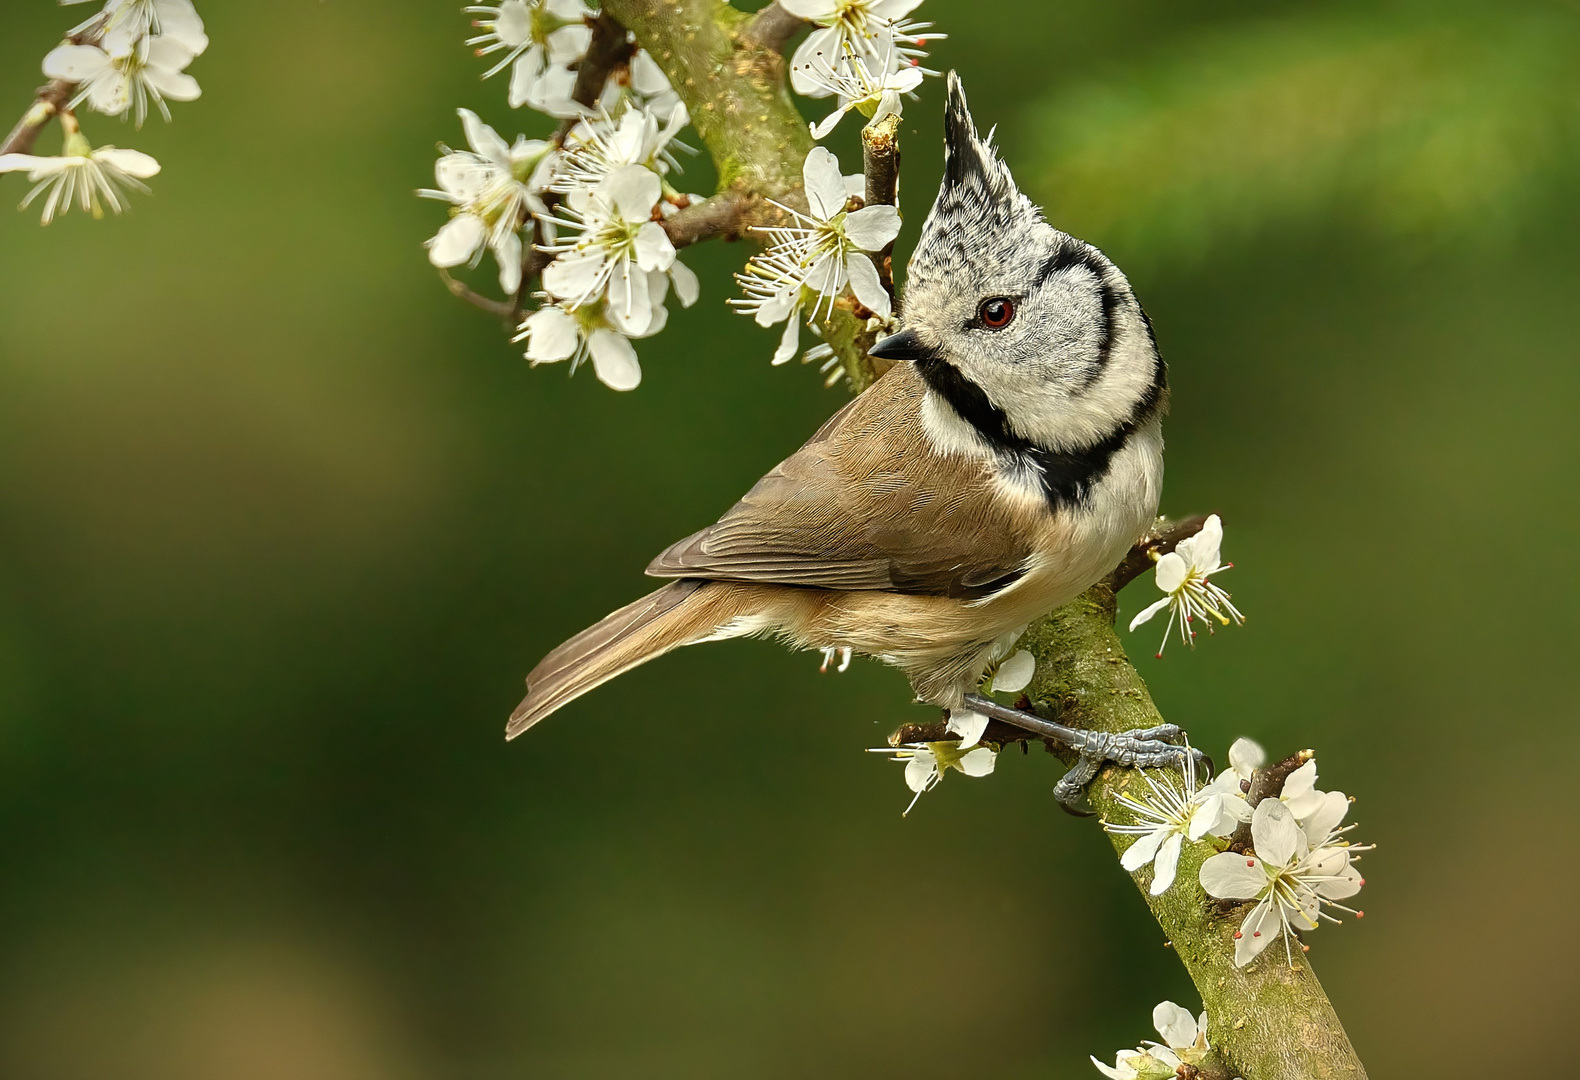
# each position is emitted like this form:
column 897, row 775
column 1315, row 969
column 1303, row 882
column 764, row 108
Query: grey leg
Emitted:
column 1146, row 748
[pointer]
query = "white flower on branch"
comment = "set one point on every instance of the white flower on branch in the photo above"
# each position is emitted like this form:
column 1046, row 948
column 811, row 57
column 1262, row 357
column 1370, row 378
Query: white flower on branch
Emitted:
column 1225, row 797
column 872, row 30
column 1291, row 878
column 1184, row 1043
column 1014, row 674
column 926, row 763
column 599, row 145
column 94, row 179
column 557, row 332
column 1184, row 575
column 1166, row 816
column 128, row 23
column 619, row 251
column 493, row 189
column 874, row 95
column 541, row 41
column 121, row 84
column 815, row 260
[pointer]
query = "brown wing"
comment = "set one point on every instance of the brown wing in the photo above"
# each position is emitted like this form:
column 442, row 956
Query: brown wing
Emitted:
column 865, row 504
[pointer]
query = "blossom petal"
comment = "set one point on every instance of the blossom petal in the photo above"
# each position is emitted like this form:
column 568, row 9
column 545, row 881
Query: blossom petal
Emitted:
column 824, row 127
column 1150, row 610
column 1171, row 571
column 76, row 63
column 979, row 762
column 1114, row 1074
column 507, row 253
column 1167, row 861
column 131, row 162
column 865, row 284
column 1275, row 834
column 652, row 245
column 573, row 275
column 1246, row 756
column 825, row 184
column 614, row 360
column 872, row 227
column 1231, row 876
column 1014, row 674
column 1325, row 817
column 920, row 771
column 633, row 190
column 816, row 54
column 484, row 140
column 687, row 287
column 1143, row 850
column 790, row 340
column 1258, row 930
column 968, row 725
column 1176, row 1026
column 552, row 335
column 457, row 241
column 810, row 9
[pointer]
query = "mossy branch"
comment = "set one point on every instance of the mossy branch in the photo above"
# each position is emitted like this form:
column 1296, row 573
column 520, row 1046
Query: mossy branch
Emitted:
column 1270, row 1021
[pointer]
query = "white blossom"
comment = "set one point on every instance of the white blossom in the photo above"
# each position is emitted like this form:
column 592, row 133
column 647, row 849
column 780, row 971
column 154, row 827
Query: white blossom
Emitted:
column 129, row 22
column 874, row 94
column 1225, row 797
column 92, row 178
column 1014, row 674
column 599, row 145
column 873, row 30
column 832, row 651
column 815, row 260
column 1291, row 879
column 926, row 763
column 493, row 190
column 1184, row 1043
column 540, row 40
column 1167, row 815
column 1183, row 574
column 557, row 332
column 118, row 84
column 619, row 250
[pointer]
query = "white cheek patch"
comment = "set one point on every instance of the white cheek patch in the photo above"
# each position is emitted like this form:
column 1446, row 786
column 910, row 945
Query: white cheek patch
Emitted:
column 949, row 434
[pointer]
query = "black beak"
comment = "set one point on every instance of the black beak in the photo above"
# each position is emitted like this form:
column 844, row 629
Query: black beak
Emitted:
column 902, row 346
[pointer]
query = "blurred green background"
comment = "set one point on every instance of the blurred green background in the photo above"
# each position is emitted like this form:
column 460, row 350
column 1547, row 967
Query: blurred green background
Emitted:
column 283, row 526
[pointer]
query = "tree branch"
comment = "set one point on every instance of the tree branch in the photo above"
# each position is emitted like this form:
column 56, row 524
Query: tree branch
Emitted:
column 722, row 215
column 1269, row 1021
column 771, row 29
column 1162, row 539
column 50, row 99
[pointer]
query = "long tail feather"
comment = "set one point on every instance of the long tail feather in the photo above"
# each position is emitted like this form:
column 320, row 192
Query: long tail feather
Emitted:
column 635, row 634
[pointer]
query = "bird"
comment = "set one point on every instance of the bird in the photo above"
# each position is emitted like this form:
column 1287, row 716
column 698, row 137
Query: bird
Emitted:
column 1006, row 461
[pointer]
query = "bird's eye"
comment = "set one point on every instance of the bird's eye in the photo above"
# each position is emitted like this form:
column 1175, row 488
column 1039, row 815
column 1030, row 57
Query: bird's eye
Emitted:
column 996, row 313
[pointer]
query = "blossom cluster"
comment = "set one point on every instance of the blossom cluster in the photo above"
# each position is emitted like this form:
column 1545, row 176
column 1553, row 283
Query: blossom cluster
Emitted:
column 1183, row 1043
column 587, row 205
column 1300, row 864
column 130, row 54
column 865, row 54
column 927, row 763
column 587, row 208
column 1185, row 577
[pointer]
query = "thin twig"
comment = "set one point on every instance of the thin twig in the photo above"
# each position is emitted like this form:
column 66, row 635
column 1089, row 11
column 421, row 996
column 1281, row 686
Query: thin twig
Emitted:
column 880, row 161
column 1266, row 783
column 49, row 99
column 502, row 309
column 1163, row 538
column 771, row 29
column 610, row 48
column 718, row 215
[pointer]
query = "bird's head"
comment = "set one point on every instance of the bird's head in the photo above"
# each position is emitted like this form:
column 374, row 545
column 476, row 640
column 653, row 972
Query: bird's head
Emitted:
column 1039, row 323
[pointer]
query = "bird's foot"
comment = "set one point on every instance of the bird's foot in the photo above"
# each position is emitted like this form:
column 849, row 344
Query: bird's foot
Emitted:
column 1144, row 748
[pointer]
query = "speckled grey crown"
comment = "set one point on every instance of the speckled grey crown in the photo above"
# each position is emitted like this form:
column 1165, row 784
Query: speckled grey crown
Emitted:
column 978, row 208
